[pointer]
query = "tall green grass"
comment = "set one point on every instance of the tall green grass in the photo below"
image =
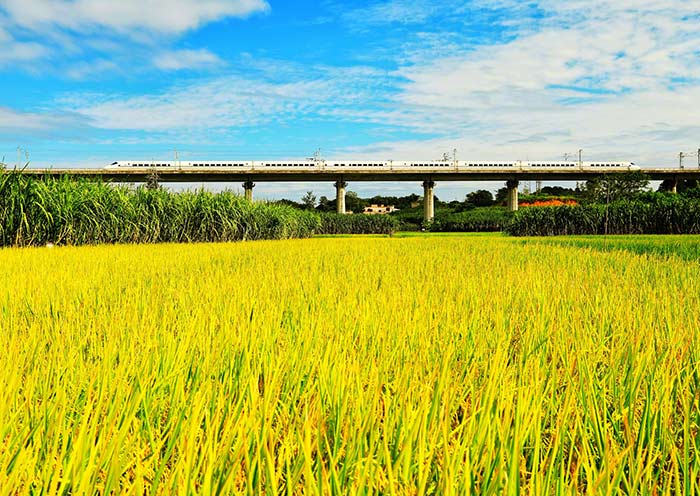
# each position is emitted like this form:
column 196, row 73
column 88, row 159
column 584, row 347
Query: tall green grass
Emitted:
column 663, row 214
column 64, row 211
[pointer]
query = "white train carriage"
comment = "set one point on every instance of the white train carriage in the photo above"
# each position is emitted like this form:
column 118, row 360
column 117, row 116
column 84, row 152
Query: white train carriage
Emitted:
column 355, row 165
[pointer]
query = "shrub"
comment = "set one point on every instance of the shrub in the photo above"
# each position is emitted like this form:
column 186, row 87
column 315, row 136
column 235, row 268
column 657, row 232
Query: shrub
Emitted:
column 487, row 219
column 357, row 224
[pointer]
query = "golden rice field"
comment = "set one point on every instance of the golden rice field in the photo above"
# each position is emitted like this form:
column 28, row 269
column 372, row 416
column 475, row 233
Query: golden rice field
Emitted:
column 422, row 365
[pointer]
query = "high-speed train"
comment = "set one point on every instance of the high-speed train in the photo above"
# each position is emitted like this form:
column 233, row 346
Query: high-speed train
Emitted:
column 352, row 165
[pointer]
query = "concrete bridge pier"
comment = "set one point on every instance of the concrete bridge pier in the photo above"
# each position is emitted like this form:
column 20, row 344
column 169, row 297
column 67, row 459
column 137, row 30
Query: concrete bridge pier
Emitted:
column 428, row 200
column 248, row 189
column 674, row 185
column 512, row 194
column 340, row 186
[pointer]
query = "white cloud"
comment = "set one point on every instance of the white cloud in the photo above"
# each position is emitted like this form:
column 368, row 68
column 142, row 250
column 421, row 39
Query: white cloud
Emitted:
column 393, row 11
column 224, row 102
column 12, row 121
column 93, row 68
column 186, row 59
column 13, row 51
column 616, row 78
column 161, row 16
column 87, row 38
column 234, row 101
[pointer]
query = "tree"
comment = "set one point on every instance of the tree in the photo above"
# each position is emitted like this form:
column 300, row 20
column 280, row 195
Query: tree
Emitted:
column 354, row 203
column 480, row 198
column 558, row 191
column 616, row 187
column 325, row 205
column 681, row 186
column 501, row 195
column 309, row 200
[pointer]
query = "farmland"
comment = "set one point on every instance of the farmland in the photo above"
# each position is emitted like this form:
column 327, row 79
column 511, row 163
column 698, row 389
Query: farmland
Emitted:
column 405, row 365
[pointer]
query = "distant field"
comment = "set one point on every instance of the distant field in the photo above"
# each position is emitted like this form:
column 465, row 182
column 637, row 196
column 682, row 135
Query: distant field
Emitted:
column 686, row 247
column 398, row 365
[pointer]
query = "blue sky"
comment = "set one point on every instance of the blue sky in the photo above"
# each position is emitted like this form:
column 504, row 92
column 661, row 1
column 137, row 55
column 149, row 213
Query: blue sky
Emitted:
column 86, row 82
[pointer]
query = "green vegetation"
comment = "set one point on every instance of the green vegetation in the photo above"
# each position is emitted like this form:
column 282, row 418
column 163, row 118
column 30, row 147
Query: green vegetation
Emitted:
column 484, row 219
column 653, row 213
column 68, row 212
column 685, row 247
column 64, row 211
column 357, row 224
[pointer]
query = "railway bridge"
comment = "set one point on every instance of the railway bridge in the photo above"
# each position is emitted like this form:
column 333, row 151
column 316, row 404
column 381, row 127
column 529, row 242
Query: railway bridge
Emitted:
column 428, row 178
